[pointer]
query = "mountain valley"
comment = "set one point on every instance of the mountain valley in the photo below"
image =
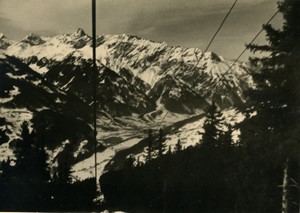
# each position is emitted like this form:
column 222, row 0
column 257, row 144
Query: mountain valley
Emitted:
column 141, row 85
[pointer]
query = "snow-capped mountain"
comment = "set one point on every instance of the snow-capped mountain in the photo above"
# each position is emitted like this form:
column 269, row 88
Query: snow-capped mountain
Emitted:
column 183, row 77
column 48, row 81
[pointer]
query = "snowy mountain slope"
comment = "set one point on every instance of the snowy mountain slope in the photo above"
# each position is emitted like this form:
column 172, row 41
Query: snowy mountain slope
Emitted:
column 118, row 94
column 55, row 48
column 27, row 96
column 176, row 96
column 152, row 62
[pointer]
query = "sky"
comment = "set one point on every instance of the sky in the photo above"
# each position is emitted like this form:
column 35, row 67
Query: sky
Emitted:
column 186, row 23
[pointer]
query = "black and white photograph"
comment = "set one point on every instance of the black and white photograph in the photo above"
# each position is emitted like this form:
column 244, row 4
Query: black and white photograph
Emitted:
column 150, row 106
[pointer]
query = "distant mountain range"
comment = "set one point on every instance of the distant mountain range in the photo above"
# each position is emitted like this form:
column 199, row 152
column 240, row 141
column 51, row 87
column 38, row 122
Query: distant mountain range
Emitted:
column 48, row 82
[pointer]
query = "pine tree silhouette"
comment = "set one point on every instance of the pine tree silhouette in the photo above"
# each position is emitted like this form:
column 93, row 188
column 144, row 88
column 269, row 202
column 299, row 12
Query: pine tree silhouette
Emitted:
column 31, row 158
column 161, row 143
column 269, row 138
column 226, row 138
column 178, row 146
column 63, row 174
column 150, row 146
column 211, row 126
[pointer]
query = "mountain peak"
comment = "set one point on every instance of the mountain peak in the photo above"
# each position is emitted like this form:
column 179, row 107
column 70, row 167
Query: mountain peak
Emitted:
column 32, row 36
column 33, row 39
column 2, row 36
column 79, row 33
column 4, row 42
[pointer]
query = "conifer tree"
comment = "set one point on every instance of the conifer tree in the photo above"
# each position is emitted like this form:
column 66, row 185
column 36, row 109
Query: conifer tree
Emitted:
column 270, row 138
column 226, row 138
column 63, row 174
column 211, row 126
column 31, row 158
column 178, row 145
column 150, row 146
column 3, row 137
column 40, row 165
column 5, row 171
column 161, row 143
column 23, row 145
column 129, row 162
column 169, row 150
column 24, row 152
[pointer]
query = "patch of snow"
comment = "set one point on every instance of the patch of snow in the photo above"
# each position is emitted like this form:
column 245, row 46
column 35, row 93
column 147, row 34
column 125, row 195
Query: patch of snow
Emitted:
column 232, row 116
column 175, row 92
column 12, row 93
column 86, row 168
column 119, row 99
column 65, row 87
column 38, row 82
column 40, row 70
column 80, row 149
column 57, row 100
column 150, row 75
column 5, row 152
column 16, row 76
column 253, row 114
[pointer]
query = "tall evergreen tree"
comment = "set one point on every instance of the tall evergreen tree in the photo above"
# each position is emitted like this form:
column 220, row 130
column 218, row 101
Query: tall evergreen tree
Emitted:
column 23, row 145
column 24, row 155
column 6, row 171
column 161, row 143
column 211, row 126
column 31, row 158
column 178, row 146
column 226, row 138
column 63, row 174
column 270, row 139
column 40, row 165
column 150, row 146
column 129, row 162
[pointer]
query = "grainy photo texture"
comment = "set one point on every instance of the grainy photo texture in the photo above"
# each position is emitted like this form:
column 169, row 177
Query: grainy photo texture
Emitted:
column 150, row 106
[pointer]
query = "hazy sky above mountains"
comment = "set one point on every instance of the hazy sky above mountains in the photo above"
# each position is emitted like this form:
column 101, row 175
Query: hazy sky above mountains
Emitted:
column 187, row 23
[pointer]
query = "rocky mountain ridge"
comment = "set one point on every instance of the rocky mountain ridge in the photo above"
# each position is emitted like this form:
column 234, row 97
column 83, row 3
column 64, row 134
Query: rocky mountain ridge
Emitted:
column 187, row 70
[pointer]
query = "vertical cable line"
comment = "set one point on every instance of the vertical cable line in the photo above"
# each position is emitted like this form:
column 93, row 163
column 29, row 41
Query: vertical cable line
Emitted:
column 94, row 85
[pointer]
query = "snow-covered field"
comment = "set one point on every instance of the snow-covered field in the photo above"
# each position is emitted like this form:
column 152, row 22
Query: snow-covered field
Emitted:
column 86, row 168
column 190, row 134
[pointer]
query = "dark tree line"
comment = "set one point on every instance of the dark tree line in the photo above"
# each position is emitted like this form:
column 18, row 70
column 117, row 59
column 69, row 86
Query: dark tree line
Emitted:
column 26, row 183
